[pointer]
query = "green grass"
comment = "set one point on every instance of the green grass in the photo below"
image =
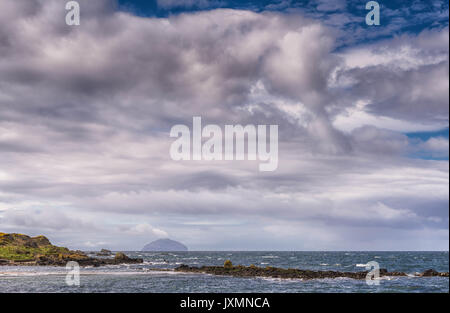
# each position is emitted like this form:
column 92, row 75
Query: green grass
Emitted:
column 19, row 247
column 20, row 253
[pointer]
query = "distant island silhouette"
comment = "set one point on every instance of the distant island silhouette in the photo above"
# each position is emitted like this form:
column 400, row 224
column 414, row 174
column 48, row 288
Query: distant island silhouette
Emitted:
column 165, row 244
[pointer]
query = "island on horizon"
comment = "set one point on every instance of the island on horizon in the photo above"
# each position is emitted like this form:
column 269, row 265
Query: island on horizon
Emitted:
column 164, row 245
column 19, row 249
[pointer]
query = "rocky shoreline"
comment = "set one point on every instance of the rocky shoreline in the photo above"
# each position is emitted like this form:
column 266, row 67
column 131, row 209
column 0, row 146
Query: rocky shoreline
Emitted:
column 23, row 250
column 291, row 273
column 83, row 261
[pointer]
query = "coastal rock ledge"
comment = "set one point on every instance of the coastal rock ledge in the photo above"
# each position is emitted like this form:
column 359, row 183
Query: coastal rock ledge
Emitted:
column 19, row 249
column 273, row 272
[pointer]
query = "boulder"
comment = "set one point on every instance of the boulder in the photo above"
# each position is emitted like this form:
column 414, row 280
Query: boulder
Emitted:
column 104, row 252
column 120, row 256
column 429, row 273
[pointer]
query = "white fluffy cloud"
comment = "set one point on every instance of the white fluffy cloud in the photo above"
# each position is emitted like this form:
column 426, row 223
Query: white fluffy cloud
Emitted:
column 144, row 229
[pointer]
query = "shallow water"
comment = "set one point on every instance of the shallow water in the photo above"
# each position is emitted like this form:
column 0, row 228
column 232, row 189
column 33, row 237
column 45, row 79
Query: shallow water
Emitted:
column 144, row 277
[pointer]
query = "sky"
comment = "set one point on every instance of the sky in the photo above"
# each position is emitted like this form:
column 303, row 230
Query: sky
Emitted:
column 363, row 115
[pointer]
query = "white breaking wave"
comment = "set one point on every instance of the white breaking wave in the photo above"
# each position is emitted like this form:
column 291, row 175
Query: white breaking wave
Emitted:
column 86, row 273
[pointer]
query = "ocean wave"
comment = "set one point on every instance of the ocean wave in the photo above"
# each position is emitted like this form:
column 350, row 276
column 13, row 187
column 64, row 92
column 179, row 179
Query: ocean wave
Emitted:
column 91, row 273
column 19, row 274
column 154, row 263
column 279, row 280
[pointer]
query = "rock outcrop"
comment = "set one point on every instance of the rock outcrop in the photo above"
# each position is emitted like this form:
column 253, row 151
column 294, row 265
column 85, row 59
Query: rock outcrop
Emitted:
column 19, row 249
column 104, row 252
column 291, row 273
column 433, row 273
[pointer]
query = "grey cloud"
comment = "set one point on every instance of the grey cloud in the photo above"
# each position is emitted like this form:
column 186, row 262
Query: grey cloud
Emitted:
column 86, row 111
column 378, row 141
column 48, row 219
column 185, row 68
column 168, row 4
column 415, row 94
column 405, row 78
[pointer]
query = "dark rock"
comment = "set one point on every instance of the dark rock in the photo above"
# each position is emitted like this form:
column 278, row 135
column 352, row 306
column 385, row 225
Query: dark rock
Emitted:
column 121, row 256
column 429, row 273
column 269, row 271
column 104, row 252
column 395, row 273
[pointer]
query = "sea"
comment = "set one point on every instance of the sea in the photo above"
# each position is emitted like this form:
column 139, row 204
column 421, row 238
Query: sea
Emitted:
column 155, row 275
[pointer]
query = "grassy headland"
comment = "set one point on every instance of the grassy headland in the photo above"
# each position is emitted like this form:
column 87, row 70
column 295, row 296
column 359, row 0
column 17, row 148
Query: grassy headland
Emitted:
column 25, row 250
